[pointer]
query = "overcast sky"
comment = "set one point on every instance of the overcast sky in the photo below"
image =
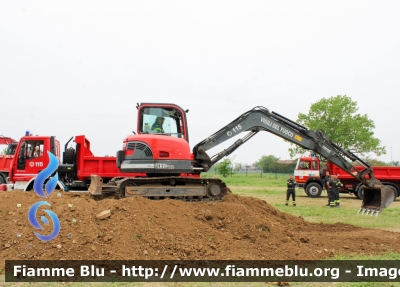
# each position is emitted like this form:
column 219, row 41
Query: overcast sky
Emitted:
column 79, row 67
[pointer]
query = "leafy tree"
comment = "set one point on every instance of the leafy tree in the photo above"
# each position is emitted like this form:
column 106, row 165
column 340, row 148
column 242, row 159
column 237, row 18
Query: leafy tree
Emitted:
column 215, row 167
column 268, row 163
column 224, row 167
column 286, row 167
column 4, row 151
column 337, row 117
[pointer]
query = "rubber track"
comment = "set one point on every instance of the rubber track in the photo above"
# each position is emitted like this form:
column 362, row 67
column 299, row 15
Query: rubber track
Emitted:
column 202, row 181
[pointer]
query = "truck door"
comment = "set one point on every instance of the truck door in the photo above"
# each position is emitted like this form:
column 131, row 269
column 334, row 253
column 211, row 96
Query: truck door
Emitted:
column 22, row 156
column 31, row 159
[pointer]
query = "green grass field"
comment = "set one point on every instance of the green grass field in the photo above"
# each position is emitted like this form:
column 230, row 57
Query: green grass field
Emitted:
column 272, row 189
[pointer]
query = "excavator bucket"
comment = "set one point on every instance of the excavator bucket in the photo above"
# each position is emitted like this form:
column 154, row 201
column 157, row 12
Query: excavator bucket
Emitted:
column 96, row 183
column 97, row 187
column 376, row 199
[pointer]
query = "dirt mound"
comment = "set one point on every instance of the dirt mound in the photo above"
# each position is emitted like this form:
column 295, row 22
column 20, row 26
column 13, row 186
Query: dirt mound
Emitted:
column 237, row 228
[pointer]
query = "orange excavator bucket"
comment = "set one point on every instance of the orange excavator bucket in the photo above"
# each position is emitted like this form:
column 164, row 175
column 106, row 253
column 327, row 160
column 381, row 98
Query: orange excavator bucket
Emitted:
column 376, row 199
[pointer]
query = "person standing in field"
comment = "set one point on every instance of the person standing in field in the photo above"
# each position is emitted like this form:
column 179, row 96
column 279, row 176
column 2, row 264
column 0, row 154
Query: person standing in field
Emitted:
column 338, row 185
column 333, row 187
column 326, row 180
column 291, row 191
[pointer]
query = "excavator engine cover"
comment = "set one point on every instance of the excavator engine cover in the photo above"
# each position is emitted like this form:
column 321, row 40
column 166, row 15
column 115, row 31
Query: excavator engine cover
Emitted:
column 377, row 198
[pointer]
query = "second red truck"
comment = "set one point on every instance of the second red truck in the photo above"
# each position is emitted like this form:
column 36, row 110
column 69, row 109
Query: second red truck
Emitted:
column 309, row 174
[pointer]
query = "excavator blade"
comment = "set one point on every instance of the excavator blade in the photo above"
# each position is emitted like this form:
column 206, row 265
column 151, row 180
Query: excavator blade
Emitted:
column 377, row 198
column 96, row 183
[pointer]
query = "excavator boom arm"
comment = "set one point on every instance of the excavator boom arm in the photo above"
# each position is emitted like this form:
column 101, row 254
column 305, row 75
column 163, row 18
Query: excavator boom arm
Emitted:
column 6, row 140
column 261, row 119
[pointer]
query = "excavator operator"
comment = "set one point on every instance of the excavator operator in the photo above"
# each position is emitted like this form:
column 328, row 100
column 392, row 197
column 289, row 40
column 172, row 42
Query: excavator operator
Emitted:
column 158, row 125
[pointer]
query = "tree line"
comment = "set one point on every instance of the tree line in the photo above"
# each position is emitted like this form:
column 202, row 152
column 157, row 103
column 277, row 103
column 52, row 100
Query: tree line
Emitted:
column 270, row 163
column 267, row 163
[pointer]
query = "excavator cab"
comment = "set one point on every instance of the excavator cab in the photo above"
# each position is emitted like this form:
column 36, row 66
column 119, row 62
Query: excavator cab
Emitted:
column 11, row 148
column 165, row 119
column 11, row 145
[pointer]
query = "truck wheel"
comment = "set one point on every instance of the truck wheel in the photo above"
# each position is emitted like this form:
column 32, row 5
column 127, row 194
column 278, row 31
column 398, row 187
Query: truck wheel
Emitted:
column 313, row 190
column 360, row 192
column 2, row 178
column 394, row 190
column 355, row 190
column 69, row 156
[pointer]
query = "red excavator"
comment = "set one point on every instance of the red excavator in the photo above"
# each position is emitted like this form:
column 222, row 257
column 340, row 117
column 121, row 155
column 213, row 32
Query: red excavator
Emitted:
column 160, row 149
column 6, row 156
column 10, row 143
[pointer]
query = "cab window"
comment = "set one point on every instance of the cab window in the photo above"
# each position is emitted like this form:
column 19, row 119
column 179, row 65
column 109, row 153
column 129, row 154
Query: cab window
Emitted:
column 11, row 149
column 34, row 149
column 314, row 165
column 305, row 165
column 161, row 121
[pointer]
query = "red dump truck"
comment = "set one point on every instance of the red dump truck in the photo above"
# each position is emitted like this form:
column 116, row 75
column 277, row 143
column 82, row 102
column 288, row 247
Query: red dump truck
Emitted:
column 78, row 163
column 309, row 175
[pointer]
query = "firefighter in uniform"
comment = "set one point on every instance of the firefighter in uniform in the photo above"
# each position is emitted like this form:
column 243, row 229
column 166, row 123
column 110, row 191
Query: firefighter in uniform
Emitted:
column 334, row 186
column 291, row 184
column 326, row 180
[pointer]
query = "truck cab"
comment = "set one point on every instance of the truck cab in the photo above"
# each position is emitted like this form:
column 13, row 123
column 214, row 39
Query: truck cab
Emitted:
column 306, row 168
column 30, row 158
column 307, row 174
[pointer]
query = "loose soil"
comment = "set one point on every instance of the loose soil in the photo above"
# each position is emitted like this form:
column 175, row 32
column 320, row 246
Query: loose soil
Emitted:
column 139, row 229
